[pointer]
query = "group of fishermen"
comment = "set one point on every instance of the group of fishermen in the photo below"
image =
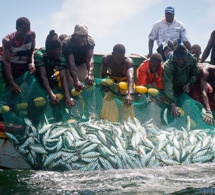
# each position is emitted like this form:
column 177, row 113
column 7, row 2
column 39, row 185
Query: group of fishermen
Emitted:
column 175, row 68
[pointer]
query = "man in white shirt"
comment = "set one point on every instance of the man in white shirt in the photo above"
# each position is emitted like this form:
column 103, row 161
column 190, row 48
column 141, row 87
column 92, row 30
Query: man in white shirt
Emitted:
column 167, row 29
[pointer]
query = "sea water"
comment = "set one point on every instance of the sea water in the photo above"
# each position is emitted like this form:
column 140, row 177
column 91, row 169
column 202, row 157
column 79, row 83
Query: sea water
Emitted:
column 189, row 179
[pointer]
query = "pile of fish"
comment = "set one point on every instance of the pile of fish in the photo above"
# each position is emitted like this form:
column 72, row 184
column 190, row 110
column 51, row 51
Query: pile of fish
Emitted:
column 101, row 145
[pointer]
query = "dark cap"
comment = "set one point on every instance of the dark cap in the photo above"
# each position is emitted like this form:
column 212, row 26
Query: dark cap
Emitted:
column 180, row 51
column 170, row 10
column 52, row 41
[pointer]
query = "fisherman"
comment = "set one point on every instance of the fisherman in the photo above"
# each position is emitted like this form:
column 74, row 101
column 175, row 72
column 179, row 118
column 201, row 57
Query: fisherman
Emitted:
column 149, row 73
column 165, row 29
column 119, row 68
column 210, row 48
column 179, row 75
column 48, row 60
column 203, row 90
column 196, row 49
column 78, row 49
column 18, row 50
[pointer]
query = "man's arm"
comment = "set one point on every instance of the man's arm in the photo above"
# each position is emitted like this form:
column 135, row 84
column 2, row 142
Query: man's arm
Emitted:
column 208, row 116
column 7, row 65
column 68, row 100
column 43, row 75
column 167, row 79
column 150, row 45
column 31, row 57
column 104, row 67
column 207, row 50
column 130, row 80
column 73, row 71
column 90, row 66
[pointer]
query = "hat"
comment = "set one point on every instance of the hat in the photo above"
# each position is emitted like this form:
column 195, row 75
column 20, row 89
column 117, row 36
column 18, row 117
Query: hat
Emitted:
column 180, row 51
column 52, row 41
column 81, row 29
column 170, row 10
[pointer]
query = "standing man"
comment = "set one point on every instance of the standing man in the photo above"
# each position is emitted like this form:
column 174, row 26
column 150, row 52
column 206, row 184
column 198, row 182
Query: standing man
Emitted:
column 47, row 61
column 78, row 49
column 18, row 50
column 120, row 67
column 167, row 29
column 210, row 48
column 179, row 74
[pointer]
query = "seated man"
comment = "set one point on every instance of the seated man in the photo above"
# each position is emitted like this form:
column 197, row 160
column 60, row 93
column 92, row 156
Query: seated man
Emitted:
column 149, row 73
column 47, row 61
column 121, row 69
column 78, row 50
column 18, row 50
column 179, row 75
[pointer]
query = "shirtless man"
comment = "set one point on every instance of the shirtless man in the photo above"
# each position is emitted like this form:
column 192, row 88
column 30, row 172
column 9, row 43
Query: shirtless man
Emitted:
column 18, row 50
column 121, row 68
column 207, row 75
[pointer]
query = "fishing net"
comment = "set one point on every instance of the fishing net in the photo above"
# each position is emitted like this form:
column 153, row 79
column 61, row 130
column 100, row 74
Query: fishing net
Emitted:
column 100, row 131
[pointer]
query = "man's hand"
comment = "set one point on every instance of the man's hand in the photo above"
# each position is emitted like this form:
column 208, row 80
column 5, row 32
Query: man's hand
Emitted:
column 78, row 85
column 70, row 102
column 175, row 112
column 31, row 68
column 208, row 117
column 53, row 99
column 15, row 89
column 128, row 99
column 187, row 88
column 89, row 79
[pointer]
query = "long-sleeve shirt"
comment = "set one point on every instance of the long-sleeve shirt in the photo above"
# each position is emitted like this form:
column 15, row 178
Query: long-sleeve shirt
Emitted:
column 175, row 78
column 147, row 78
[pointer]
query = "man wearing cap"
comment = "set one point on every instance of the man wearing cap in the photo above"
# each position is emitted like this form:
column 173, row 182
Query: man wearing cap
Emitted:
column 179, row 74
column 47, row 61
column 78, row 49
column 167, row 29
column 149, row 73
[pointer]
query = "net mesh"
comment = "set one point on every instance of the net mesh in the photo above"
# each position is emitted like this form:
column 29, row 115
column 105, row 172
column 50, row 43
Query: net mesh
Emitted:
column 42, row 132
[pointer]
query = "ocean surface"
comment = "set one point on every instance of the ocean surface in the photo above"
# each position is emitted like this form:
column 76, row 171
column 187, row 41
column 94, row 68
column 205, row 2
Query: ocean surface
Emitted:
column 189, row 179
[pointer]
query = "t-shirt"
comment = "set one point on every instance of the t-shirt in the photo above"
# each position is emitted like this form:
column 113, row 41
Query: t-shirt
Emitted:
column 51, row 64
column 147, row 78
column 163, row 31
column 20, row 54
column 79, row 52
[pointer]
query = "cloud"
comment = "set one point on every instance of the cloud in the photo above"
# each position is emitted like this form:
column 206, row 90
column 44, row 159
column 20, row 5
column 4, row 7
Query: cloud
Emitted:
column 102, row 17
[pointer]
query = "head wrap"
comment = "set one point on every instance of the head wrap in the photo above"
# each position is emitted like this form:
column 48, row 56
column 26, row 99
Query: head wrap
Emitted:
column 52, row 41
column 170, row 10
column 81, row 29
column 180, row 51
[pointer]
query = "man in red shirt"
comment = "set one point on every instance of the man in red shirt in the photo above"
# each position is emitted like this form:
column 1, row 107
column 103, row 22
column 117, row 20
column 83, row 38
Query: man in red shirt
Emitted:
column 149, row 73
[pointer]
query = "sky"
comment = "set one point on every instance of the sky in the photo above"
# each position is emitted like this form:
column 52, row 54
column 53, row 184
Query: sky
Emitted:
column 109, row 22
